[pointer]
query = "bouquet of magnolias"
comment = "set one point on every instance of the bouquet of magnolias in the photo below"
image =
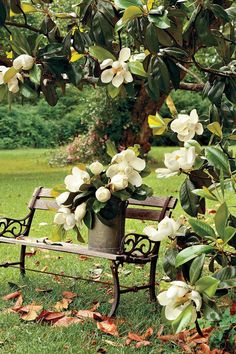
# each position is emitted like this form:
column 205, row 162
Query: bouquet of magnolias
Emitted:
column 98, row 190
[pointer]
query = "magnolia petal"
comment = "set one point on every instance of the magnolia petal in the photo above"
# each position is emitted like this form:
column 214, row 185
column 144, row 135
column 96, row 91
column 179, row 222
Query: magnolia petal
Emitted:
column 80, row 212
column 172, row 311
column 80, row 173
column 138, row 164
column 106, row 63
column 125, row 54
column 194, row 116
column 70, row 220
column 164, row 173
column 135, row 179
column 112, row 170
column 62, row 198
column 118, row 80
column 128, row 77
column 199, row 129
column 150, row 231
column 163, row 300
column 107, row 76
column 186, row 137
column 59, row 218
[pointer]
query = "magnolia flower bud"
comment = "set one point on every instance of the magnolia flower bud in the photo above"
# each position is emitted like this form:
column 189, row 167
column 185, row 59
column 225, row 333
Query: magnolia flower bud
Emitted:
column 80, row 212
column 119, row 181
column 62, row 198
column 96, row 168
column 103, row 194
column 24, row 62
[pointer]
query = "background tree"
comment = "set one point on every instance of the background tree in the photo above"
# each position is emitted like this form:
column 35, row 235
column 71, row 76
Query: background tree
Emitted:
column 173, row 37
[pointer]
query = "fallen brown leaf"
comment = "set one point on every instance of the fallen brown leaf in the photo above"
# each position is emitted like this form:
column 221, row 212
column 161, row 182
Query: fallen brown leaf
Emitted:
column 44, row 269
column 135, row 337
column 143, row 343
column 29, row 316
column 233, row 309
column 69, row 294
column 89, row 314
column 31, row 253
column 66, row 321
column 95, row 306
column 148, row 333
column 38, row 290
column 18, row 303
column 63, row 304
column 12, row 296
column 83, row 258
column 108, row 327
column 53, row 316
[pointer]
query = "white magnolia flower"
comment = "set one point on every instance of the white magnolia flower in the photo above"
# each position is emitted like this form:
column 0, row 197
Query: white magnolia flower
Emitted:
column 103, row 194
column 119, row 181
column 96, row 168
column 177, row 298
column 118, row 70
column 74, row 181
column 187, row 126
column 62, row 198
column 166, row 228
column 128, row 156
column 13, row 83
column 65, row 217
column 80, row 212
column 23, row 61
column 177, row 161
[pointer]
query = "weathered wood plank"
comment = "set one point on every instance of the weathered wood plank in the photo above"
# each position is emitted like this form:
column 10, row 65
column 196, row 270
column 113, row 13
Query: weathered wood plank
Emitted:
column 144, row 214
column 65, row 247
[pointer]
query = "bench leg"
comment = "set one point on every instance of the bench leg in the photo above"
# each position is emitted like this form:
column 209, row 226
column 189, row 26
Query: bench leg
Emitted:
column 152, row 291
column 22, row 260
column 115, row 304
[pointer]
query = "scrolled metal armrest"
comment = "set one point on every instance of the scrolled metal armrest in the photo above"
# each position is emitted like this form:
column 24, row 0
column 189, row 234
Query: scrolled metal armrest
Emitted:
column 138, row 246
column 14, row 227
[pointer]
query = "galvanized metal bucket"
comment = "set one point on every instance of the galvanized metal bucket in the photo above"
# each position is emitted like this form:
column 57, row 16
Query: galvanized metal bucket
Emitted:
column 107, row 238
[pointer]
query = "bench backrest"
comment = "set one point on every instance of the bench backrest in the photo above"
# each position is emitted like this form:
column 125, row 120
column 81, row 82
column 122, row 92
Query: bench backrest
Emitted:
column 153, row 208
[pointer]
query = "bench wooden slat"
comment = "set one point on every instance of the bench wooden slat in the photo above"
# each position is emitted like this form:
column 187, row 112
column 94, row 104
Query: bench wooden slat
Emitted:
column 157, row 202
column 66, row 247
column 144, row 214
column 45, row 204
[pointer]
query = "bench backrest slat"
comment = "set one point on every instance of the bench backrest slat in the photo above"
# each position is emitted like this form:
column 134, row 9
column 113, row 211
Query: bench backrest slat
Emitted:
column 152, row 207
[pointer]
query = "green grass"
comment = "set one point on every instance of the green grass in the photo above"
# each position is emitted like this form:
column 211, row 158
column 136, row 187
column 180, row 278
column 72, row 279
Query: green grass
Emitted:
column 21, row 171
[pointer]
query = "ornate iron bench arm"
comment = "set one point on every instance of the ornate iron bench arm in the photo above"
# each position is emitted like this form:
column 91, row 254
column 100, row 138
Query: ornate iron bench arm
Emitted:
column 15, row 227
column 138, row 247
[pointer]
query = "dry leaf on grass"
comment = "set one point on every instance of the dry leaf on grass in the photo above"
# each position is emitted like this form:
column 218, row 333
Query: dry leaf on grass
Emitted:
column 12, row 296
column 44, row 269
column 63, row 304
column 67, row 321
column 140, row 338
column 29, row 316
column 50, row 316
column 109, row 327
column 69, row 294
column 38, row 290
column 31, row 253
column 19, row 303
column 143, row 343
column 89, row 314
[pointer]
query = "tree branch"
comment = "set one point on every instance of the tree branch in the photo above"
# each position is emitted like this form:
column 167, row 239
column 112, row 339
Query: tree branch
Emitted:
column 191, row 87
column 213, row 71
column 23, row 25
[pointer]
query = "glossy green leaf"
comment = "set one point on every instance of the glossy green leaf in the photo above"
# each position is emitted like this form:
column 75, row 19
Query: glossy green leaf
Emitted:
column 131, row 13
column 191, row 252
column 88, row 219
column 111, row 148
column 219, row 12
column 151, row 42
column 215, row 128
column 113, row 91
column 3, row 13
column 35, row 74
column 196, row 268
column 227, row 277
column 202, row 228
column 189, row 201
column 210, row 311
column 136, row 67
column 160, row 21
column 217, row 158
column 100, row 53
column 207, row 285
column 221, row 218
column 183, row 320
column 229, row 233
column 123, row 4
column 205, row 193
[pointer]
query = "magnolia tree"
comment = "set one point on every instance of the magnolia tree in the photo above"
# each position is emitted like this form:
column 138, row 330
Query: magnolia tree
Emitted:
column 143, row 49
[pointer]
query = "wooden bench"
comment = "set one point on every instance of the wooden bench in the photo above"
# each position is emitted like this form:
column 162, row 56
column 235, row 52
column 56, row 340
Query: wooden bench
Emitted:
column 135, row 248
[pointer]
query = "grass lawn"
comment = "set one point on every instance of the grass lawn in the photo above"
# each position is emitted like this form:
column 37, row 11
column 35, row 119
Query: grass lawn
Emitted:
column 21, row 171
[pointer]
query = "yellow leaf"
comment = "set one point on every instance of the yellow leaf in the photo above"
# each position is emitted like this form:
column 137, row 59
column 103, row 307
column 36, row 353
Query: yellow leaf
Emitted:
column 158, row 124
column 131, row 12
column 26, row 8
column 232, row 137
column 150, row 4
column 75, row 56
column 9, row 74
column 215, row 128
column 9, row 55
column 170, row 104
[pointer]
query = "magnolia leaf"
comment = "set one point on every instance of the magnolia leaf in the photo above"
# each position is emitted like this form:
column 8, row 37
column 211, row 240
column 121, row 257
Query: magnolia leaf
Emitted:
column 9, row 74
column 78, row 235
column 3, row 13
column 124, row 4
column 210, row 311
column 113, row 91
column 150, row 4
column 196, row 268
column 35, row 74
column 221, row 219
column 205, row 193
column 100, row 53
column 75, row 56
column 229, row 233
column 191, row 252
column 58, row 233
column 201, row 228
column 136, row 67
column 215, row 128
column 131, row 13
column 157, row 123
column 207, row 285
column 227, row 277
column 170, row 104
column 189, row 201
column 111, row 148
column 183, row 320
column 26, row 8
column 217, row 158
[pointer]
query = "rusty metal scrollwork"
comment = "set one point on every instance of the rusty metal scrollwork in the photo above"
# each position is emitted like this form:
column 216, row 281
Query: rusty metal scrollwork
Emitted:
column 14, row 227
column 137, row 245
